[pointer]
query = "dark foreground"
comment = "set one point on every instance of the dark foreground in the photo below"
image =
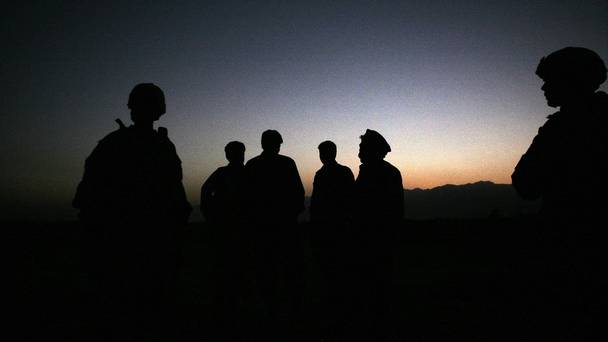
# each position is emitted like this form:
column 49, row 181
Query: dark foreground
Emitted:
column 453, row 280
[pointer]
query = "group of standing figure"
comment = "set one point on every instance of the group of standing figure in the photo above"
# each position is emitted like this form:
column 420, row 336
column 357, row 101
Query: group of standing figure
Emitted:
column 132, row 201
column 254, row 208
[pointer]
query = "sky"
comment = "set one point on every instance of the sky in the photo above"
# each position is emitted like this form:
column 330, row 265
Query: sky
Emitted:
column 449, row 84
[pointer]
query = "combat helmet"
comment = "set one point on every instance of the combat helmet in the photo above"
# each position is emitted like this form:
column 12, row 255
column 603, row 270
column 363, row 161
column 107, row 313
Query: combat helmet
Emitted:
column 148, row 97
column 577, row 66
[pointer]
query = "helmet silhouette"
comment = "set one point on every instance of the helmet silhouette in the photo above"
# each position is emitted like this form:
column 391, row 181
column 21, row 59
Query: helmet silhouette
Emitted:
column 574, row 65
column 147, row 97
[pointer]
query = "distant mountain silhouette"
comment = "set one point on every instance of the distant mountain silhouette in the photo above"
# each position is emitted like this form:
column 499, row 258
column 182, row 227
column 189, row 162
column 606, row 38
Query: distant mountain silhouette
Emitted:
column 468, row 201
column 478, row 200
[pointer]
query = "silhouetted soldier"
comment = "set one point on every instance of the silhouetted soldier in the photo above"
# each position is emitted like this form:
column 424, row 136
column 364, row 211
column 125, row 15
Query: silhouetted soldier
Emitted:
column 132, row 202
column 330, row 212
column 379, row 209
column 566, row 163
column 276, row 197
column 566, row 167
column 223, row 206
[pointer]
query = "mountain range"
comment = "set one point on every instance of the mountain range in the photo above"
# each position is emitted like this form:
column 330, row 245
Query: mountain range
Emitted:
column 468, row 201
column 478, row 200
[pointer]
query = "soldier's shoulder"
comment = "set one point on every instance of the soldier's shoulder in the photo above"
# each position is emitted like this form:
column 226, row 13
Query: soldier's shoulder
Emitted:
column 163, row 141
column 162, row 134
column 116, row 134
column 553, row 121
column 114, row 138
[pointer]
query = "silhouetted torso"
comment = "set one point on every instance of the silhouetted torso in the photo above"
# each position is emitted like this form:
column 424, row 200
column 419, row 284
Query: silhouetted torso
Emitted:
column 565, row 166
column 133, row 205
column 330, row 213
column 133, row 176
column 332, row 194
column 275, row 191
column 379, row 193
column 222, row 195
column 566, row 162
column 275, row 198
column 379, row 210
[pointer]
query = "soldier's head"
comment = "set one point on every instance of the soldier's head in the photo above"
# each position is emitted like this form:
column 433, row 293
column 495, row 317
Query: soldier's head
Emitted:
column 570, row 74
column 373, row 147
column 147, row 103
column 327, row 152
column 235, row 152
column 271, row 141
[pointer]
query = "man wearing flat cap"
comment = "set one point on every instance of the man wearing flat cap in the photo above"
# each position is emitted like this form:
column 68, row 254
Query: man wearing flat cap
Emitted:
column 379, row 209
column 379, row 185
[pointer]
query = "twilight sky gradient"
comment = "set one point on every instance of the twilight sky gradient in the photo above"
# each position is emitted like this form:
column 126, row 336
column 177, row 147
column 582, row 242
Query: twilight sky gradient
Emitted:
column 450, row 84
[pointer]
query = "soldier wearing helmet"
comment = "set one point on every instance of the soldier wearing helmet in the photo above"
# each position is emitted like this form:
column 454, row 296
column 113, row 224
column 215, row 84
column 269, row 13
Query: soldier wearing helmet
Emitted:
column 565, row 165
column 134, row 173
column 133, row 205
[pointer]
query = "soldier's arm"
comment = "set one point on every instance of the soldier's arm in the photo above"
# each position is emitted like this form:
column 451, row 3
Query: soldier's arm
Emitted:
column 181, row 208
column 92, row 180
column 527, row 178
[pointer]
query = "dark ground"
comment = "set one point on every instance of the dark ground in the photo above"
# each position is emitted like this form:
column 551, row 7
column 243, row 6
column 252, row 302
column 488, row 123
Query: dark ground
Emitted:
column 453, row 280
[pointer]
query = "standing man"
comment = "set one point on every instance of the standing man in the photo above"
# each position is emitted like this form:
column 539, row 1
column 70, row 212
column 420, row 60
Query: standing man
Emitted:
column 332, row 188
column 133, row 205
column 275, row 198
column 331, row 214
column 379, row 185
column 379, row 208
column 566, row 167
column 222, row 193
column 274, row 181
column 223, row 206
